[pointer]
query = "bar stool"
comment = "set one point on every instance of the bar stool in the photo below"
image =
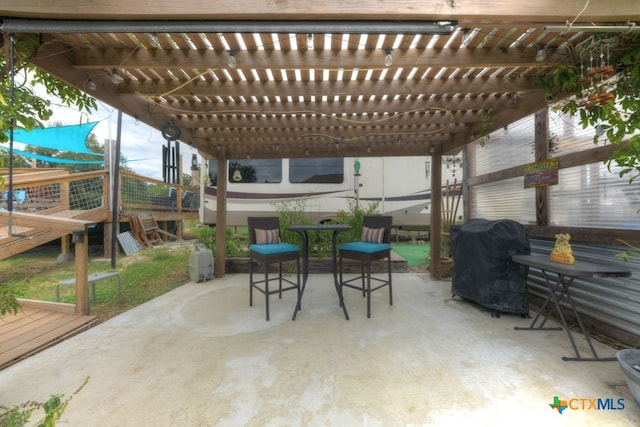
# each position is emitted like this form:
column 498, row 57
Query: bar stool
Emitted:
column 374, row 245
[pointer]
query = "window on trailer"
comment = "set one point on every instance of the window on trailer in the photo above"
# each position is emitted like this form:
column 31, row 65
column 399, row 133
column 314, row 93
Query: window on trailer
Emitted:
column 316, row 171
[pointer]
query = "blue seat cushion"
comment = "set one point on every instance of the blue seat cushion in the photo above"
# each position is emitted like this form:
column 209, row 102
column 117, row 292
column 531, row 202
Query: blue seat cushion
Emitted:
column 365, row 247
column 274, row 248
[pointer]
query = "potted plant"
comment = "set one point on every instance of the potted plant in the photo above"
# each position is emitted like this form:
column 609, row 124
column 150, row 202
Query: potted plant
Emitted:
column 450, row 205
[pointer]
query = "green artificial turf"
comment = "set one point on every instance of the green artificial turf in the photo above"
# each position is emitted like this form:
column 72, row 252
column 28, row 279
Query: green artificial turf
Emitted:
column 415, row 254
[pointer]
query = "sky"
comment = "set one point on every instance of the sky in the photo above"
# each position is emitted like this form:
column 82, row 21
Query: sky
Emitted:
column 140, row 144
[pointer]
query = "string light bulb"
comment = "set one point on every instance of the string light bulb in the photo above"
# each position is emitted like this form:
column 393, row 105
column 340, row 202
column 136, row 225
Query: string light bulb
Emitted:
column 232, row 61
column 115, row 77
column 541, row 54
column 153, row 39
column 465, row 35
column 388, row 58
column 309, row 41
column 91, row 84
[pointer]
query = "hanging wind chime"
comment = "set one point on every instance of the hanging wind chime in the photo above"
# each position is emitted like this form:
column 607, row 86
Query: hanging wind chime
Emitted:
column 598, row 72
column 171, row 154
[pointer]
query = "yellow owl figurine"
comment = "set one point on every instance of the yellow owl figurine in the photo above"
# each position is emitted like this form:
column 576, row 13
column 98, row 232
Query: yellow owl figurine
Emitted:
column 562, row 252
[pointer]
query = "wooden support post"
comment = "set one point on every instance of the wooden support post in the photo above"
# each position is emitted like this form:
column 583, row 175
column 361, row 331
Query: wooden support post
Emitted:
column 436, row 211
column 82, row 271
column 221, row 218
column 542, row 153
column 107, row 236
column 65, row 249
column 66, row 244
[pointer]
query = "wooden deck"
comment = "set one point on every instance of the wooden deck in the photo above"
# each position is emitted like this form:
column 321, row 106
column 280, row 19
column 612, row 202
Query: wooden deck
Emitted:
column 37, row 326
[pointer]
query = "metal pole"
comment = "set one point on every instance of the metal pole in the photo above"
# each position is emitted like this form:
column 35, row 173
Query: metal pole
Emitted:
column 20, row 25
column 115, row 168
column 12, row 124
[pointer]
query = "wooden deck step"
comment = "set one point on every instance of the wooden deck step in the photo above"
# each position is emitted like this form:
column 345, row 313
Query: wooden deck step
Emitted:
column 36, row 328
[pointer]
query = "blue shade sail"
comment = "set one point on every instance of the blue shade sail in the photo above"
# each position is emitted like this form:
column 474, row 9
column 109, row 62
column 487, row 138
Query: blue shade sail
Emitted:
column 71, row 138
column 54, row 159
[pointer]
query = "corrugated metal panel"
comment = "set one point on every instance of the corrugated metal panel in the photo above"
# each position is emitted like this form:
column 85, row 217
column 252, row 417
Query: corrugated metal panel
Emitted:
column 128, row 243
column 614, row 301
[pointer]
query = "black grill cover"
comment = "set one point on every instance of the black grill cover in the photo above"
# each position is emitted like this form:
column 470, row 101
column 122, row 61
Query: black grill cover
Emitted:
column 482, row 268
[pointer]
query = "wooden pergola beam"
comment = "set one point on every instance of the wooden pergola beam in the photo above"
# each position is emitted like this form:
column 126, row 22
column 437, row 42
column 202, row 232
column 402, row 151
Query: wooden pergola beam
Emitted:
column 491, row 10
column 344, row 60
column 165, row 93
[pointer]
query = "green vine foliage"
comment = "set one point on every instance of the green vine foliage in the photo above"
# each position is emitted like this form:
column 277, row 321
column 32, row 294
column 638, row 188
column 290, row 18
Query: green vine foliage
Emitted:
column 485, row 126
column 22, row 108
column 53, row 408
column 616, row 117
column 21, row 105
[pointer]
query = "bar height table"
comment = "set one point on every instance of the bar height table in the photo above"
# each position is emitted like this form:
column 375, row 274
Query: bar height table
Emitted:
column 559, row 287
column 303, row 230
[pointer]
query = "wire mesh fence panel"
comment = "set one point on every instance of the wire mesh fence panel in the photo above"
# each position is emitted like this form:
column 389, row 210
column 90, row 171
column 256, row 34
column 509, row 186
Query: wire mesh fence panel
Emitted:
column 87, row 194
column 140, row 193
column 88, row 191
column 63, row 194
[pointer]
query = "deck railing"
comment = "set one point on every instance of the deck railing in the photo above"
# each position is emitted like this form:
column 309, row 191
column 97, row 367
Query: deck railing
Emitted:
column 56, row 192
column 140, row 193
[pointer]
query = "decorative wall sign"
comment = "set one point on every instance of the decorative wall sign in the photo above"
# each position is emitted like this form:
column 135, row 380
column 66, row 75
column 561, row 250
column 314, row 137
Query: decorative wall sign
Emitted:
column 542, row 173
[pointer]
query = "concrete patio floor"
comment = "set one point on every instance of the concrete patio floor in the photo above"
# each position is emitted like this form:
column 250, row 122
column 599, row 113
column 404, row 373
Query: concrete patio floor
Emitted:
column 200, row 356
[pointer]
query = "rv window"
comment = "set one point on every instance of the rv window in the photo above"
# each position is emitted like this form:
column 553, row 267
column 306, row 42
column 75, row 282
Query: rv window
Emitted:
column 317, row 171
column 213, row 172
column 255, row 171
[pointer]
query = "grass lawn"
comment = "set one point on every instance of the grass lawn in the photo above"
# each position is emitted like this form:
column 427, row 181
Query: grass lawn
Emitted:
column 145, row 275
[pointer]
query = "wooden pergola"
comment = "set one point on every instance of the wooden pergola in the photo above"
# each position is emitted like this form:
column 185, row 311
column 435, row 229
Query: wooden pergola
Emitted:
column 277, row 79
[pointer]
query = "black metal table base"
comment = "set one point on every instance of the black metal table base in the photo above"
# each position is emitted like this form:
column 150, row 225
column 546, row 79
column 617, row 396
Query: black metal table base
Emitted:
column 303, row 231
column 559, row 290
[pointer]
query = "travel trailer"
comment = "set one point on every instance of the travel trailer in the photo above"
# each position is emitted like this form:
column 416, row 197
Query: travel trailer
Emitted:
column 324, row 186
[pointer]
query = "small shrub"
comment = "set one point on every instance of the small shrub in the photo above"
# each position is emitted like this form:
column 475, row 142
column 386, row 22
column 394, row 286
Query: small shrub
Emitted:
column 53, row 408
column 354, row 218
column 293, row 213
column 321, row 243
column 235, row 246
column 8, row 301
